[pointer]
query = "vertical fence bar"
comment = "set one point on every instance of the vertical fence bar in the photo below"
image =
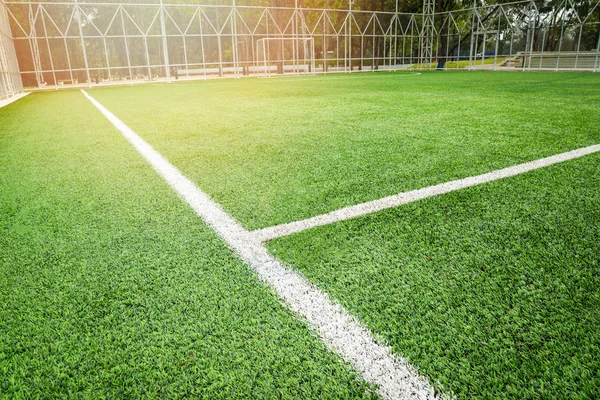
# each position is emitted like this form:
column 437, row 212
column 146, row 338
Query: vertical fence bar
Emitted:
column 85, row 59
column 10, row 76
column 533, row 26
column 48, row 46
column 107, row 58
column 185, row 57
column 126, row 44
column 472, row 36
column 33, row 43
column 578, row 45
column 147, row 57
column 200, row 12
column 234, row 50
column 596, row 66
column 163, row 31
column 67, row 49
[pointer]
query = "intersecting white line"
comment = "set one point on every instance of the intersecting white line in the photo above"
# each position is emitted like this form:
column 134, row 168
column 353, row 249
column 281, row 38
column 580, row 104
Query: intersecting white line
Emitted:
column 342, row 333
column 342, row 214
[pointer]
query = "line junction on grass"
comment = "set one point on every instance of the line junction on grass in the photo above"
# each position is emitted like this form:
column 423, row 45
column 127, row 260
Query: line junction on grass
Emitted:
column 369, row 207
column 342, row 333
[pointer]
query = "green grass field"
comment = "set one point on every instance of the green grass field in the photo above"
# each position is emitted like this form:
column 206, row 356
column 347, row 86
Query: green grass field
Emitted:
column 273, row 151
column 493, row 291
column 110, row 286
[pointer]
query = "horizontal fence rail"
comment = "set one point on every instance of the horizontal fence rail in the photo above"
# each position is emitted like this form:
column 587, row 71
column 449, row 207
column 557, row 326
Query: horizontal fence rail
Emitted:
column 68, row 43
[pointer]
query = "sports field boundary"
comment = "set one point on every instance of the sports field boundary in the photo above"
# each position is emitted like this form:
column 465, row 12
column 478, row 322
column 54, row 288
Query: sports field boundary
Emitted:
column 342, row 333
column 370, row 207
column 12, row 99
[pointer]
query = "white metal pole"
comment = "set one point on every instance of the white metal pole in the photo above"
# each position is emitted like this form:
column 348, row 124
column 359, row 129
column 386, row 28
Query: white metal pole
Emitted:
column 48, row 47
column 295, row 55
column 126, row 44
column 219, row 49
column 234, row 42
column 497, row 40
column 267, row 71
column 396, row 36
column 596, row 66
column 147, row 57
column 85, row 60
column 373, row 47
column 448, row 43
column 164, row 41
column 200, row 12
column 31, row 36
column 312, row 58
column 532, row 40
column 578, row 45
column 337, row 51
column 412, row 35
column 472, row 35
column 107, row 59
column 325, row 40
column 350, row 37
column 68, row 59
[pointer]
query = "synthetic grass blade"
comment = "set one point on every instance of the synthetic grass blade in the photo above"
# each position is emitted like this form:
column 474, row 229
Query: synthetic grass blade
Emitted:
column 395, row 378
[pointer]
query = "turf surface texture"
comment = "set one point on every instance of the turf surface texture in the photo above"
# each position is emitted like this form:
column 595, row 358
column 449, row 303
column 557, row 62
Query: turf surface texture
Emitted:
column 110, row 287
column 492, row 291
column 277, row 150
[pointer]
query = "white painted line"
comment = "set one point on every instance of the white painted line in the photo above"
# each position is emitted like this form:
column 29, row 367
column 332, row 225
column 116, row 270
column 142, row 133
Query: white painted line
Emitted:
column 395, row 200
column 10, row 100
column 342, row 333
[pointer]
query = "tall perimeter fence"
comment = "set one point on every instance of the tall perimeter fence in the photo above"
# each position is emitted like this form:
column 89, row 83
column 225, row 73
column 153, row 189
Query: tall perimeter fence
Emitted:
column 92, row 42
column 10, row 78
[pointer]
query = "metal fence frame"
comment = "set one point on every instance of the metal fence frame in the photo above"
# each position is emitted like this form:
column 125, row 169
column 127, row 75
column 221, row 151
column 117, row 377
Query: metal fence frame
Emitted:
column 518, row 31
column 10, row 76
column 89, row 42
column 63, row 53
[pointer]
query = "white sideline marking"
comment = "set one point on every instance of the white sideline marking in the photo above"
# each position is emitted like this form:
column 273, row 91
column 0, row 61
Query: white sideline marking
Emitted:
column 341, row 332
column 10, row 100
column 395, row 200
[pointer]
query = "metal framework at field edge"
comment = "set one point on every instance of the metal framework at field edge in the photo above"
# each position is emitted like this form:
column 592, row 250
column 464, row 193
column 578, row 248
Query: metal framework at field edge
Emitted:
column 70, row 43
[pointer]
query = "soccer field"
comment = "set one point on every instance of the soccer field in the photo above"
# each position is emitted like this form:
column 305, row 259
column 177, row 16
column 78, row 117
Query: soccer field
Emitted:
column 112, row 286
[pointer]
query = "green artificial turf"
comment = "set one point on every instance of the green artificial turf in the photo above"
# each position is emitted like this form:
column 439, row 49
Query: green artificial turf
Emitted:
column 492, row 291
column 111, row 287
column 282, row 149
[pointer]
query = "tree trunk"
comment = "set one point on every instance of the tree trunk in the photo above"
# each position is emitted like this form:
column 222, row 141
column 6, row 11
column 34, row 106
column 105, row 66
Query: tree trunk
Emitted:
column 442, row 45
